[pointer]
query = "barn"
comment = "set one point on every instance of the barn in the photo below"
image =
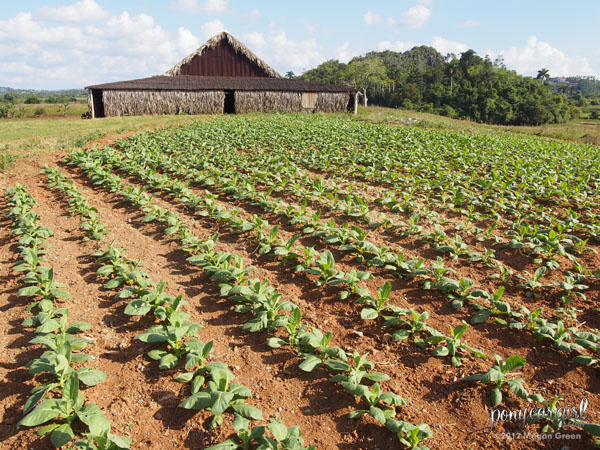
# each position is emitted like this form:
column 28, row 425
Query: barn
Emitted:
column 222, row 76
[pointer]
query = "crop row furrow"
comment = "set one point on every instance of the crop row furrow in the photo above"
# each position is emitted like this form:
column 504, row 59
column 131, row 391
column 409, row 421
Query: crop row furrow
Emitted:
column 269, row 312
column 59, row 402
column 461, row 291
column 211, row 383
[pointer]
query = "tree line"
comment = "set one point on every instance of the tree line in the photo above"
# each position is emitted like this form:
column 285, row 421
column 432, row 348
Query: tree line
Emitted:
column 466, row 86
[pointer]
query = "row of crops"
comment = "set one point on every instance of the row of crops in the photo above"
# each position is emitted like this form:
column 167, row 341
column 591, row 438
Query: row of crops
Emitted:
column 502, row 229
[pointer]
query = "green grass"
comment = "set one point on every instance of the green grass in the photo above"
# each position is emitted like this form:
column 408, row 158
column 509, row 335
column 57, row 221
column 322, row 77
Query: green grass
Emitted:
column 73, row 109
column 27, row 137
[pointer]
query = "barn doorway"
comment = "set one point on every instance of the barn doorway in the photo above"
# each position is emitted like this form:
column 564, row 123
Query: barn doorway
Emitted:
column 98, row 103
column 229, row 107
column 352, row 103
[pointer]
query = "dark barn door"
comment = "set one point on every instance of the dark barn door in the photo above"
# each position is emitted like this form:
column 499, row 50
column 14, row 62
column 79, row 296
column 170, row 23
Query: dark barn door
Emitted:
column 229, row 107
column 98, row 103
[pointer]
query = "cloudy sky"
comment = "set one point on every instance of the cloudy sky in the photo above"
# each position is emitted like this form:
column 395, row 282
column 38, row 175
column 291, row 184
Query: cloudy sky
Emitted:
column 56, row 44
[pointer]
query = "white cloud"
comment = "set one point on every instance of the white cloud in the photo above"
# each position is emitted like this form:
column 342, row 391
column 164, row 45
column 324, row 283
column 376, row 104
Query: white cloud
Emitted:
column 41, row 54
column 82, row 11
column 445, row 46
column 468, row 24
column 254, row 40
column 291, row 54
column 398, row 46
column 25, row 29
column 253, row 15
column 186, row 41
column 370, row 18
column 536, row 54
column 343, row 52
column 205, row 7
column 209, row 29
column 416, row 16
column 309, row 27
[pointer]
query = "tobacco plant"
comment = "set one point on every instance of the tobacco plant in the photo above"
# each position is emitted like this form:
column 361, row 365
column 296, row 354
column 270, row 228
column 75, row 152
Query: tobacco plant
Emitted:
column 452, row 345
column 499, row 376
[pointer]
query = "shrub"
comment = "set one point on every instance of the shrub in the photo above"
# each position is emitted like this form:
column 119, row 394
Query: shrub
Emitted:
column 6, row 110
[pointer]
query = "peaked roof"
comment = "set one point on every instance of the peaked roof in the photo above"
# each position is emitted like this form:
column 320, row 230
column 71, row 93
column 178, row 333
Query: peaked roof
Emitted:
column 235, row 44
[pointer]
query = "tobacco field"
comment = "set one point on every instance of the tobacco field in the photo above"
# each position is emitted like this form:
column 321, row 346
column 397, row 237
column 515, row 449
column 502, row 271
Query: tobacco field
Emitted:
column 302, row 281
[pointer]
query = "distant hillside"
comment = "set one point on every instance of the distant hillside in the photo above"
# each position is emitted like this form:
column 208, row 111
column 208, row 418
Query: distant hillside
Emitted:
column 589, row 87
column 43, row 93
column 466, row 86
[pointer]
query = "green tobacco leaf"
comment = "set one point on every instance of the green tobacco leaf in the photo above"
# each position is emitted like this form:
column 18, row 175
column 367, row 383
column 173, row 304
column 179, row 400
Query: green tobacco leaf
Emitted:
column 441, row 351
column 185, row 377
column 248, row 411
column 377, row 376
column 496, row 396
column 28, row 291
column 229, row 444
column 278, row 430
column 37, row 394
column 400, row 335
column 198, row 401
column 584, row 360
column 220, row 401
column 168, row 361
column 276, row 342
column 357, row 414
column 121, row 442
column 309, row 363
column 481, row 316
column 45, row 411
column 113, row 284
column 91, row 377
column 377, row 414
column 517, row 387
column 355, row 389
column 369, row 314
column 592, row 428
column 138, row 307
column 62, row 435
column 492, row 375
column 336, row 364
column 514, row 362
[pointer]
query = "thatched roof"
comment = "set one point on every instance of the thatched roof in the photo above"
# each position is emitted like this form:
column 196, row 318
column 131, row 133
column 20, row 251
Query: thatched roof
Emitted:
column 197, row 83
column 235, row 44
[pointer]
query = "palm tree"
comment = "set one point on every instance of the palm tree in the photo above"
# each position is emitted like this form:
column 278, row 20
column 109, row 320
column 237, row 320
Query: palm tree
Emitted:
column 543, row 74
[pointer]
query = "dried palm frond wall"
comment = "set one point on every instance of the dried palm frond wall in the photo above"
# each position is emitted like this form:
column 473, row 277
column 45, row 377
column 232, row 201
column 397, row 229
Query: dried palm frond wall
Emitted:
column 151, row 102
column 148, row 102
column 267, row 101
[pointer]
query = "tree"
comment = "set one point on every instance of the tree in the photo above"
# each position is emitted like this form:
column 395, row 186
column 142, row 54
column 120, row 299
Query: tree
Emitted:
column 466, row 86
column 290, row 74
column 331, row 72
column 543, row 74
column 362, row 73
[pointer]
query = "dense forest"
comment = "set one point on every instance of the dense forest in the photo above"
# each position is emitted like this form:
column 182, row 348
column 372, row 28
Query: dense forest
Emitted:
column 466, row 86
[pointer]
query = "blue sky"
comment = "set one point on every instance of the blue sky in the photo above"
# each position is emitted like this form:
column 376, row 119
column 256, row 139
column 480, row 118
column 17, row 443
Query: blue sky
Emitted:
column 73, row 43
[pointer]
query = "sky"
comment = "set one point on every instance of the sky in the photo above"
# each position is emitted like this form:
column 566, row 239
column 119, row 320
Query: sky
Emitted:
column 63, row 44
